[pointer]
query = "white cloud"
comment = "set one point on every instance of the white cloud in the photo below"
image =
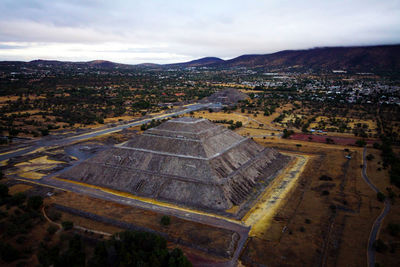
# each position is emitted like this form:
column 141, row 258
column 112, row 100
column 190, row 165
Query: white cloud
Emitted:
column 171, row 31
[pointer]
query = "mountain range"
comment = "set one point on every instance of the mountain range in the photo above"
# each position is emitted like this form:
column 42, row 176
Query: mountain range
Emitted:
column 361, row 59
column 365, row 58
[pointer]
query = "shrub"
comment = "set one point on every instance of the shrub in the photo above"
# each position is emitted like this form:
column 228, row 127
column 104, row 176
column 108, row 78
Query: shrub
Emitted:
column 3, row 191
column 325, row 178
column 8, row 253
column 165, row 220
column 370, row 157
column 361, row 143
column 380, row 246
column 54, row 215
column 325, row 192
column 35, row 202
column 18, row 199
column 394, row 229
column 67, row 225
column 287, row 133
column 51, row 230
column 380, row 196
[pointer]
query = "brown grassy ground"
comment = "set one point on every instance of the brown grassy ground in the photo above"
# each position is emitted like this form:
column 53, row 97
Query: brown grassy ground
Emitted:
column 381, row 180
column 18, row 188
column 193, row 233
column 315, row 227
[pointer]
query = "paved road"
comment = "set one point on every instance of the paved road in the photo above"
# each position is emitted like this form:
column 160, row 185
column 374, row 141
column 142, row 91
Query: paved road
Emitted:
column 49, row 142
column 377, row 224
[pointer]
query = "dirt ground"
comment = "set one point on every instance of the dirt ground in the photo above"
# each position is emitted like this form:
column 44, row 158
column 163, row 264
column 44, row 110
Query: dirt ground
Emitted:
column 323, row 222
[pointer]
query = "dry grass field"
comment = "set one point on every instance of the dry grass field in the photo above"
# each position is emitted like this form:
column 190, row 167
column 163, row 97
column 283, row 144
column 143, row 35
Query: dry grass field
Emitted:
column 322, row 222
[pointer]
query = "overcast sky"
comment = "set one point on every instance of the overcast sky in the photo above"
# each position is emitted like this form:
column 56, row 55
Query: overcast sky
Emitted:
column 136, row 31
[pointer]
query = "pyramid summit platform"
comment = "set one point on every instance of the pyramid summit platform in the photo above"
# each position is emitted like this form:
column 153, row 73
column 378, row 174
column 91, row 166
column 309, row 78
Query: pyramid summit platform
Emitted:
column 186, row 161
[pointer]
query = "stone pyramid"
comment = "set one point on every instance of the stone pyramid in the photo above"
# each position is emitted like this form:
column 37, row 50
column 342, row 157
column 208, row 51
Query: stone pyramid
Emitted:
column 186, row 161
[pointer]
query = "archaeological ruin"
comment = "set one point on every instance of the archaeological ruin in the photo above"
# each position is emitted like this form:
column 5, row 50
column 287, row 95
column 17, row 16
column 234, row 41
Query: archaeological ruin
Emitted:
column 186, row 161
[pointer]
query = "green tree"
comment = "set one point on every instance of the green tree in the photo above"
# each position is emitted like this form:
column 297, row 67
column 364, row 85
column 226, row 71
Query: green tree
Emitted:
column 380, row 196
column 67, row 225
column 3, row 191
column 361, row 143
column 35, row 202
column 8, row 253
column 165, row 220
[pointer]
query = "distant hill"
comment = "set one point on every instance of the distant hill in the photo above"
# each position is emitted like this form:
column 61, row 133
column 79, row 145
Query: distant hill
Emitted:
column 365, row 58
column 369, row 58
column 202, row 62
column 97, row 64
column 360, row 59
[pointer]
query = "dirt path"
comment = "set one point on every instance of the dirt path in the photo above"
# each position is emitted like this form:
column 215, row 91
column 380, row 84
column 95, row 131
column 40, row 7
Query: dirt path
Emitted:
column 377, row 224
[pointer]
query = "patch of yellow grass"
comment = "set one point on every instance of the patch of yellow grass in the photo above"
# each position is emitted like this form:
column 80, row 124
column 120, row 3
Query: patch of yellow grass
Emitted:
column 116, row 119
column 250, row 91
column 18, row 188
column 261, row 215
column 352, row 123
column 31, row 111
column 29, row 169
column 234, row 85
column 220, row 116
column 233, row 210
column 32, row 175
column 254, row 132
column 39, row 160
column 291, row 117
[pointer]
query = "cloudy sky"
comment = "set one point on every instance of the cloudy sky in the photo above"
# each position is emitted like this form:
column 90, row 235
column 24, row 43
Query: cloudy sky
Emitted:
column 136, row 31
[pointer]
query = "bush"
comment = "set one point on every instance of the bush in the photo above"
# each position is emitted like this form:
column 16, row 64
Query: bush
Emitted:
column 380, row 246
column 54, row 215
column 3, row 191
column 325, row 178
column 35, row 202
column 287, row 133
column 51, row 230
column 370, row 157
column 325, row 193
column 137, row 249
column 8, row 253
column 394, row 229
column 67, row 225
column 18, row 199
column 361, row 143
column 165, row 220
column 376, row 146
column 380, row 196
